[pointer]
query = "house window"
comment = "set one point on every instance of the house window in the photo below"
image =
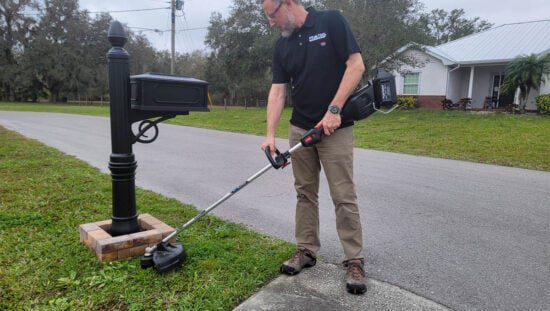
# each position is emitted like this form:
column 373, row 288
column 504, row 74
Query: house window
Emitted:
column 411, row 83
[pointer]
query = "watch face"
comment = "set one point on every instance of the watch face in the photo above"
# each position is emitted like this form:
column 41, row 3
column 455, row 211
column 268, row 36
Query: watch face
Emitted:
column 334, row 109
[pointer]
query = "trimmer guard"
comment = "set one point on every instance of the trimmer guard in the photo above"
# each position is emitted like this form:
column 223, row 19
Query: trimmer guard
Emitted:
column 169, row 256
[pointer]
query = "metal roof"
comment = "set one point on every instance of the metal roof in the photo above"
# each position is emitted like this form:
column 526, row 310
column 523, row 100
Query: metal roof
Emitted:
column 496, row 45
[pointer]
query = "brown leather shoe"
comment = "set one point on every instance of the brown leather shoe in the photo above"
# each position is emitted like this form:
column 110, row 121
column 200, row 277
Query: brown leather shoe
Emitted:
column 355, row 276
column 302, row 258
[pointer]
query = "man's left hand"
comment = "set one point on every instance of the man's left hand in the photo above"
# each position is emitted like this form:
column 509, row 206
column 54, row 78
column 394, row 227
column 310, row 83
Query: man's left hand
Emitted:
column 330, row 123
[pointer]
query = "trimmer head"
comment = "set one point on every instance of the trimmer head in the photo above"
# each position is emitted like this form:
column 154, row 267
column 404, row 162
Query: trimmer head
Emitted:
column 166, row 257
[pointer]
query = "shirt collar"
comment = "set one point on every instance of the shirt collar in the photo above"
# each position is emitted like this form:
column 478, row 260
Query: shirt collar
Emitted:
column 310, row 21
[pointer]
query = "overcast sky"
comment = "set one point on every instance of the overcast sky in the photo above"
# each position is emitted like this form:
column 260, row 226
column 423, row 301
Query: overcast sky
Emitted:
column 197, row 13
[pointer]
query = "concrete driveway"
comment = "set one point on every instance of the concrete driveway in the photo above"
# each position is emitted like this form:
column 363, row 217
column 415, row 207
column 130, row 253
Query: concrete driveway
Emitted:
column 469, row 236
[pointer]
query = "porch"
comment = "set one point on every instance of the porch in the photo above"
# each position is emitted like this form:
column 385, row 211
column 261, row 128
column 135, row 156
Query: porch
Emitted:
column 483, row 84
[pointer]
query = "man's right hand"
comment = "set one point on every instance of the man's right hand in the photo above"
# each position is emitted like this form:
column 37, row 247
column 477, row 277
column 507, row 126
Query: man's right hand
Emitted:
column 269, row 142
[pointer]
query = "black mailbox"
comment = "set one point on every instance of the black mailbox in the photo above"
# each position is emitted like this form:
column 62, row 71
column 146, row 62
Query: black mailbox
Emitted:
column 168, row 94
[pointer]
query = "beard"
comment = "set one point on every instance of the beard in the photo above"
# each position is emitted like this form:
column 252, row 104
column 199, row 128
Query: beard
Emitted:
column 289, row 26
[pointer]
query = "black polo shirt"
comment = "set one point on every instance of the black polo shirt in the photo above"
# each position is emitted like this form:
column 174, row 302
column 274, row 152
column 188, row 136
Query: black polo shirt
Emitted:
column 313, row 59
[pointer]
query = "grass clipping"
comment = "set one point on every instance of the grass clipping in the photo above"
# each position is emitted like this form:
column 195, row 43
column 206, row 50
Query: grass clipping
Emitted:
column 45, row 195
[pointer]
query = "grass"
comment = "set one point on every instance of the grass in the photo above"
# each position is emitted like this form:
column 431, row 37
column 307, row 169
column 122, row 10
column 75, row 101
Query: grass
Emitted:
column 45, row 195
column 496, row 138
column 60, row 108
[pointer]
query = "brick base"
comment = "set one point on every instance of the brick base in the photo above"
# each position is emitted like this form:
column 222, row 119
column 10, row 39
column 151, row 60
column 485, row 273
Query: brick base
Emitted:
column 96, row 237
column 433, row 102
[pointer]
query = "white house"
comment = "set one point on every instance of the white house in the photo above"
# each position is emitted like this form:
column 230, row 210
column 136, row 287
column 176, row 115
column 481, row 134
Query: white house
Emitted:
column 473, row 66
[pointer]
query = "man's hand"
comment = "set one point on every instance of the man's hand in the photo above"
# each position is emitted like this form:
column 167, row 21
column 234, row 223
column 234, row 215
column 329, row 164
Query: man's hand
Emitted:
column 269, row 142
column 330, row 123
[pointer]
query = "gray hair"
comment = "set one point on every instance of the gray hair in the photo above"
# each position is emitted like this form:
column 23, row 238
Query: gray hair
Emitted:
column 279, row 1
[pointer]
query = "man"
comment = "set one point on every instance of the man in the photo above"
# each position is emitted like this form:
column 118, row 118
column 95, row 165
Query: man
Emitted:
column 319, row 56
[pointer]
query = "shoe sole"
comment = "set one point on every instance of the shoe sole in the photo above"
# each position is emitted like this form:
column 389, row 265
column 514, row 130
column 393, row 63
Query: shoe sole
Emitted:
column 291, row 271
column 356, row 289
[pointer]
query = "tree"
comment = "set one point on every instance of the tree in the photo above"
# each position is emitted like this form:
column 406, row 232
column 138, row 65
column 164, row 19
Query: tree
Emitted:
column 14, row 29
column 188, row 64
column 61, row 53
column 381, row 28
column 443, row 26
column 242, row 48
column 96, row 48
column 59, row 59
column 526, row 73
column 192, row 64
column 142, row 53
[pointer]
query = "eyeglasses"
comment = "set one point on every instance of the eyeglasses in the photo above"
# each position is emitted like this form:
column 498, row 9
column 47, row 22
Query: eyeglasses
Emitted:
column 273, row 14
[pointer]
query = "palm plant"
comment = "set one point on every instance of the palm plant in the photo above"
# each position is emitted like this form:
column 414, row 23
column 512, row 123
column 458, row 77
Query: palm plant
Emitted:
column 526, row 73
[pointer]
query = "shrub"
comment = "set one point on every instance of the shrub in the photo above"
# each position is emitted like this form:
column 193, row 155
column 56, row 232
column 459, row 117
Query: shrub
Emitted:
column 447, row 104
column 406, row 102
column 543, row 104
column 465, row 103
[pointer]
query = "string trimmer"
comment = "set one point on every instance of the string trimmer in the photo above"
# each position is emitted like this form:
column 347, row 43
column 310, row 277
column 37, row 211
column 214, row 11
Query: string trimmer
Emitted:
column 369, row 99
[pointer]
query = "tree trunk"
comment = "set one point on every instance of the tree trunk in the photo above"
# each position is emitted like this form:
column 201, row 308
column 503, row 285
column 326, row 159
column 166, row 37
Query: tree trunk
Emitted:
column 10, row 96
column 54, row 97
column 524, row 102
column 4, row 92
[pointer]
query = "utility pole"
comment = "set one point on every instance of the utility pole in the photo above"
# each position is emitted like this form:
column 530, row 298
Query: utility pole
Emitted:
column 173, row 6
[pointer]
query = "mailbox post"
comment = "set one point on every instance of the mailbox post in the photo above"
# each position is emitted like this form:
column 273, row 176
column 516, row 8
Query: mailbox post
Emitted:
column 122, row 161
column 140, row 98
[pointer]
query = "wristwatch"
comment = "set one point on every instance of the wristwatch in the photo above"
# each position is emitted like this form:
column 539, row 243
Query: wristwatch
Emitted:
column 334, row 109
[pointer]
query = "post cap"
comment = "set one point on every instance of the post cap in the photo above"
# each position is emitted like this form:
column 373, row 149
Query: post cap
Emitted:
column 117, row 35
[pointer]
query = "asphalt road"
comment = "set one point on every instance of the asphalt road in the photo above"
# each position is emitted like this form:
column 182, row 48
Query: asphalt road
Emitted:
column 469, row 236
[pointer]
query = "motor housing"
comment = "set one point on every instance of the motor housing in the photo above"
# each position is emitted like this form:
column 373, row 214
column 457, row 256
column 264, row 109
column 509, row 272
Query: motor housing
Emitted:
column 381, row 92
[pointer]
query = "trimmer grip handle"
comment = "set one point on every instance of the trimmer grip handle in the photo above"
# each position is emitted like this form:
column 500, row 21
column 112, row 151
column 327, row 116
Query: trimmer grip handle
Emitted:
column 312, row 137
column 277, row 162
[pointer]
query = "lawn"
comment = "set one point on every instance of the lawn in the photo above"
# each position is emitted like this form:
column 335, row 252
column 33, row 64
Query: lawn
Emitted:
column 495, row 138
column 45, row 195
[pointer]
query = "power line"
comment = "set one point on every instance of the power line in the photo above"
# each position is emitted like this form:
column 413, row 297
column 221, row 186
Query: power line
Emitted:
column 166, row 30
column 119, row 11
column 135, row 10
column 185, row 41
column 189, row 29
column 147, row 29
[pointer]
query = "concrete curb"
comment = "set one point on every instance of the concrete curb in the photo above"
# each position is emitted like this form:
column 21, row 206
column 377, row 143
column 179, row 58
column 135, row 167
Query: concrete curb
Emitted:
column 323, row 288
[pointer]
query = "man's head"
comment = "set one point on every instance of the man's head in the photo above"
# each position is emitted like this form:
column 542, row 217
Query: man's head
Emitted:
column 284, row 15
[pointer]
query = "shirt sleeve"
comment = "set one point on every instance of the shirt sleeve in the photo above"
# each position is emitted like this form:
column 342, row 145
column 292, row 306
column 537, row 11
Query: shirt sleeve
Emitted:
column 279, row 73
column 342, row 36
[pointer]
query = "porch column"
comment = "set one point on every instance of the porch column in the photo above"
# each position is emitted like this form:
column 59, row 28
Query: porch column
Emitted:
column 517, row 97
column 471, row 86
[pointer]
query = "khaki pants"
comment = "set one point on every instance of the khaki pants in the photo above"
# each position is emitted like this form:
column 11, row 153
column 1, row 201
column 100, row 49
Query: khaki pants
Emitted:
column 335, row 154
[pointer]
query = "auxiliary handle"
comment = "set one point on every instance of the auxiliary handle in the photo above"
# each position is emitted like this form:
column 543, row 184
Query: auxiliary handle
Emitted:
column 279, row 161
column 309, row 139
